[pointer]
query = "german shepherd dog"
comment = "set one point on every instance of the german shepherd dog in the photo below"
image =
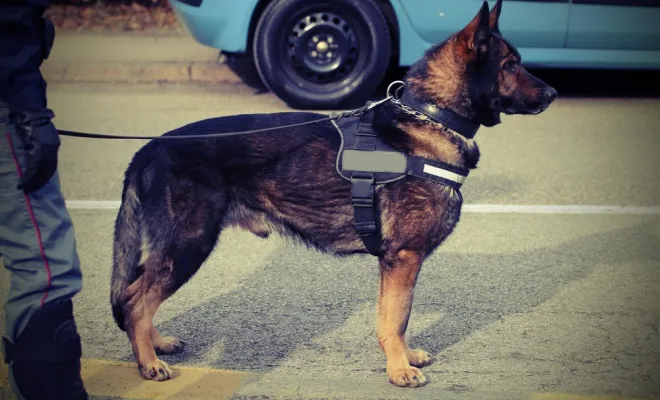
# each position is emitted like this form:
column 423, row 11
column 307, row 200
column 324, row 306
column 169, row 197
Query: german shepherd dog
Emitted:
column 179, row 195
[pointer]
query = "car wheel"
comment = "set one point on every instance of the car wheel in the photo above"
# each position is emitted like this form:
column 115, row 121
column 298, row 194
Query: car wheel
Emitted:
column 322, row 54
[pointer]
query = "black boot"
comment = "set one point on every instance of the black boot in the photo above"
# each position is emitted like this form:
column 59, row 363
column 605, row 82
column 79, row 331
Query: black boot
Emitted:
column 44, row 363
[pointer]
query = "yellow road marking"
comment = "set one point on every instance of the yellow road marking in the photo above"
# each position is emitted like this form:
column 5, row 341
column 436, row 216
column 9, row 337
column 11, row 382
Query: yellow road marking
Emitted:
column 568, row 396
column 122, row 379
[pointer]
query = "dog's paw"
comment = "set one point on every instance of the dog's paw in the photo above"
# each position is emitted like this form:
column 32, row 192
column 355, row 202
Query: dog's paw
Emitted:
column 407, row 376
column 169, row 345
column 156, row 371
column 419, row 358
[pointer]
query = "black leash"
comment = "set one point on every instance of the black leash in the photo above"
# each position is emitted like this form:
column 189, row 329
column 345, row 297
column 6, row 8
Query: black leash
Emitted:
column 333, row 116
column 212, row 135
column 448, row 118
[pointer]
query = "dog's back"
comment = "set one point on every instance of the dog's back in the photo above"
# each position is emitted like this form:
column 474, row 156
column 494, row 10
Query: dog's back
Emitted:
column 180, row 193
column 248, row 149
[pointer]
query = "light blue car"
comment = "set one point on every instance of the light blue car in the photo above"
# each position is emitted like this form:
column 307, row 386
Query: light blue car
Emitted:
column 335, row 53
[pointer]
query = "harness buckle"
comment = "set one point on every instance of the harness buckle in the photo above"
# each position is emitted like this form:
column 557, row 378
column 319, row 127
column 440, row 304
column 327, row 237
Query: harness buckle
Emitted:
column 365, row 228
column 362, row 198
column 358, row 202
column 366, row 129
column 362, row 189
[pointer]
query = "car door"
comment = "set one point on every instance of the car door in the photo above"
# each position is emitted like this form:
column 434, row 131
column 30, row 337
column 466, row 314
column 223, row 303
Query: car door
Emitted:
column 526, row 23
column 615, row 25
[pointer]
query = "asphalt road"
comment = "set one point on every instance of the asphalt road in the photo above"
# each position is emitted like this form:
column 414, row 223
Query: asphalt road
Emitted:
column 512, row 306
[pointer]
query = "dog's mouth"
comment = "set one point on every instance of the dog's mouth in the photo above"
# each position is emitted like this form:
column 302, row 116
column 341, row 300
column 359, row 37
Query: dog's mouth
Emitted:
column 526, row 111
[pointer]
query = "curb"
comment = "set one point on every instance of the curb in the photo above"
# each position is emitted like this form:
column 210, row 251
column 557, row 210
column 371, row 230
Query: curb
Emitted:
column 127, row 72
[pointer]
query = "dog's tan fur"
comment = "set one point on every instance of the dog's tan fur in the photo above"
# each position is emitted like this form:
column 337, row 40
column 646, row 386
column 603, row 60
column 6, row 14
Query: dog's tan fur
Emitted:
column 178, row 198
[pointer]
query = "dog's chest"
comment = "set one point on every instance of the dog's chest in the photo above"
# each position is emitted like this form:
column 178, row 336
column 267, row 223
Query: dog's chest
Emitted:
column 418, row 214
column 426, row 206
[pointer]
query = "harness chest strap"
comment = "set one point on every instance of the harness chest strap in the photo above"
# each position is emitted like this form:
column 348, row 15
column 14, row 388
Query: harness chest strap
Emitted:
column 365, row 160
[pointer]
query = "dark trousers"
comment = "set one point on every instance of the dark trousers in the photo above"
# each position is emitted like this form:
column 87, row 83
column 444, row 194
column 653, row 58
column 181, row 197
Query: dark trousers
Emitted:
column 37, row 240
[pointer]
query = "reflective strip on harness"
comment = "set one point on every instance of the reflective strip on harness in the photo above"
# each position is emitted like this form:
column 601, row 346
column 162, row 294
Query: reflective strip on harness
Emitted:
column 437, row 171
column 443, row 173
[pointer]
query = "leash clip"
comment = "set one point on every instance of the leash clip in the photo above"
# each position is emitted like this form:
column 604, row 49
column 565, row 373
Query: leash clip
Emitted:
column 396, row 95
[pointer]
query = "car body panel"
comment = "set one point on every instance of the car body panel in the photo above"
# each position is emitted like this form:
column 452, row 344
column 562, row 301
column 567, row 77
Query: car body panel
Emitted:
column 548, row 33
column 411, row 45
column 221, row 24
column 525, row 23
column 590, row 58
column 630, row 25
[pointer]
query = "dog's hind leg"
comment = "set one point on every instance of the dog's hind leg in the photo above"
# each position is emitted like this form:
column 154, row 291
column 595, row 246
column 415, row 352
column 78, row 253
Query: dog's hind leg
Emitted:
column 142, row 300
column 398, row 276
column 178, row 238
column 163, row 276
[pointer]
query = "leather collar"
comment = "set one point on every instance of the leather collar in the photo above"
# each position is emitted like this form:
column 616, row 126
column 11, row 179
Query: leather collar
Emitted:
column 448, row 118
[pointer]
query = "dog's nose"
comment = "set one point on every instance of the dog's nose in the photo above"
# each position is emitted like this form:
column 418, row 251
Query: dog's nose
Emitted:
column 550, row 94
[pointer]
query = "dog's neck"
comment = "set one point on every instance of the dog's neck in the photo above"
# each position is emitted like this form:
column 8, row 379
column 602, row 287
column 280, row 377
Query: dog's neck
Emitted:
column 452, row 120
column 420, row 136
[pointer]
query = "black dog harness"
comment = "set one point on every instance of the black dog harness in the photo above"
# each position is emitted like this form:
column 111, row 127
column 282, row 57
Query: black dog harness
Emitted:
column 365, row 160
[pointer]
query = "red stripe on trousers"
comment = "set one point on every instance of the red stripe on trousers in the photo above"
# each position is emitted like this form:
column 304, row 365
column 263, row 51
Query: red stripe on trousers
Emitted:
column 34, row 220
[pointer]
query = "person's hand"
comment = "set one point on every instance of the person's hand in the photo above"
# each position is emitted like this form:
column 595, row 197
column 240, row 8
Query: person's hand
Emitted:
column 42, row 143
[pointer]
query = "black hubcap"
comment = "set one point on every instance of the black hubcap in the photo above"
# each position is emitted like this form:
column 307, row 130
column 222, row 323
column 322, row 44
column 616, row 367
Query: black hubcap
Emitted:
column 322, row 47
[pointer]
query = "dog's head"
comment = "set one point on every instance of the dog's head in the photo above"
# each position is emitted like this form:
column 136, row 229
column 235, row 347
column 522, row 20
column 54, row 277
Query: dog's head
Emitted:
column 478, row 74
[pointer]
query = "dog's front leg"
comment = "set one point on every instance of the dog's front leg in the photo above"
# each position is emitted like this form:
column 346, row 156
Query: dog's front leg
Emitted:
column 398, row 276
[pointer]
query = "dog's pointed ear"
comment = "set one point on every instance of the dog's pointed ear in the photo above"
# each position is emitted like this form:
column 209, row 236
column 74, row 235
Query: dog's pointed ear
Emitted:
column 475, row 34
column 494, row 18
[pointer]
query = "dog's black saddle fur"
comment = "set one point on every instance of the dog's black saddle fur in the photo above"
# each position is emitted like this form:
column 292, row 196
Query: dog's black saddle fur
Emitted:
column 366, row 160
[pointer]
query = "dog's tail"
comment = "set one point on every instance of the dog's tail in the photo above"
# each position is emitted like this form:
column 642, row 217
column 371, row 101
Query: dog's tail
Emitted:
column 126, row 247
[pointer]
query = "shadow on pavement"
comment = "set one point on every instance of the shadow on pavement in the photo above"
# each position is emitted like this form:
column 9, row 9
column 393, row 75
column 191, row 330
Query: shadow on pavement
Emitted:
column 295, row 296
column 482, row 288
column 301, row 295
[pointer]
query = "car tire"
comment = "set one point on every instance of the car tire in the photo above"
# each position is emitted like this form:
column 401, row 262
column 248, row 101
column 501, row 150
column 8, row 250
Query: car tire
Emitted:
column 322, row 55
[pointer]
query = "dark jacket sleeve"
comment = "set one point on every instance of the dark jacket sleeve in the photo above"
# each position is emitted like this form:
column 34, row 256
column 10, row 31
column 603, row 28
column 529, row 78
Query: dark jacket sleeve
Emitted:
column 25, row 41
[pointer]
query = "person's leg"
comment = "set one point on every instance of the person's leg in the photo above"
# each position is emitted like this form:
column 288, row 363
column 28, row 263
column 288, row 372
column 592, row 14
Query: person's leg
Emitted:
column 37, row 244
